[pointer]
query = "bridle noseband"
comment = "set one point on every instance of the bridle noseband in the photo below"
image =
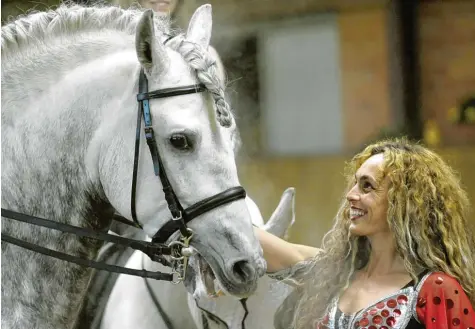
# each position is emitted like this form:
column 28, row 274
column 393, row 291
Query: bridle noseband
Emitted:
column 179, row 250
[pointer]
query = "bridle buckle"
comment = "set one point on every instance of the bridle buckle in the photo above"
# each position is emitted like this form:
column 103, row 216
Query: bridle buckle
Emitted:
column 177, row 278
column 179, row 217
column 180, row 252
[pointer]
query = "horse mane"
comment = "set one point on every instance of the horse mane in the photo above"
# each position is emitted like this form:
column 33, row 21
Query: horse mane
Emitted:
column 36, row 28
column 68, row 19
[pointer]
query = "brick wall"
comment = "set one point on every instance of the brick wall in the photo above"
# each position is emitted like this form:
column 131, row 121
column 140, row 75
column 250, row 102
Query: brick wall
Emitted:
column 364, row 71
column 447, row 57
column 447, row 62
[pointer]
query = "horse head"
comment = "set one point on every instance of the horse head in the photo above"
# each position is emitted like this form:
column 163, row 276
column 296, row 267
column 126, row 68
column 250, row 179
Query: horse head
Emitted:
column 196, row 138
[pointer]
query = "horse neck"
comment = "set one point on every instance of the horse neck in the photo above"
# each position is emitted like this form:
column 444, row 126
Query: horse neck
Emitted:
column 50, row 112
column 46, row 136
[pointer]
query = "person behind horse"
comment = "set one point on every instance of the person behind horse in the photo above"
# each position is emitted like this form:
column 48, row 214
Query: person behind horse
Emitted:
column 177, row 10
column 399, row 255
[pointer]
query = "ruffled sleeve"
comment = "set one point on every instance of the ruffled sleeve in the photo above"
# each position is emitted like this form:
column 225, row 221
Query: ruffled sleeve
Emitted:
column 443, row 304
column 294, row 275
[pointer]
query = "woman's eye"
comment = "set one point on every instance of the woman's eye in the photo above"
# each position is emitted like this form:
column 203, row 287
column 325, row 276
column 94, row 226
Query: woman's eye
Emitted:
column 180, row 142
column 367, row 186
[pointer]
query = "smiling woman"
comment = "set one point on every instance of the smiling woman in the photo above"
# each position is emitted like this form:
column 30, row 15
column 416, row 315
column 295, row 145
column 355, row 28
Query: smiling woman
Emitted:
column 400, row 254
column 368, row 199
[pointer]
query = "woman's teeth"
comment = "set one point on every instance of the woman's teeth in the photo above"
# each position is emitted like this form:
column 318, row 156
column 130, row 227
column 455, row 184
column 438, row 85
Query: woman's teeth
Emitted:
column 356, row 213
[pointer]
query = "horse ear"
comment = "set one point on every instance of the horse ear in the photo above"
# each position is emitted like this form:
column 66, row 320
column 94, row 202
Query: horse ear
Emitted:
column 200, row 26
column 283, row 216
column 150, row 52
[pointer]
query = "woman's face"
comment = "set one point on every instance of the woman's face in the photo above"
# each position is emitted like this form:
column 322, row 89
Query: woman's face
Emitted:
column 368, row 199
column 160, row 6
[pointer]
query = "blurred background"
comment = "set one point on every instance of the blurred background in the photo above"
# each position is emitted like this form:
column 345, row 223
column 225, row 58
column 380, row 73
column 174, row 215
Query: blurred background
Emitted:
column 313, row 81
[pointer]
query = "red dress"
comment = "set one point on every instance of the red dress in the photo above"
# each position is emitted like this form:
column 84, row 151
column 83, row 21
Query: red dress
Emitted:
column 436, row 302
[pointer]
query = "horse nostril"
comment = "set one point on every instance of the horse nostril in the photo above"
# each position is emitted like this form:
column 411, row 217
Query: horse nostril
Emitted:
column 243, row 271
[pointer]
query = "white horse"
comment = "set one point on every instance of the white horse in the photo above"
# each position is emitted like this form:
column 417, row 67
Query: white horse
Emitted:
column 136, row 303
column 69, row 112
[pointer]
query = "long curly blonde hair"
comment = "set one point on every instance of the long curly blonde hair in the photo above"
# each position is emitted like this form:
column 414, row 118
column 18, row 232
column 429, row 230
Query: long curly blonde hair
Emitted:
column 427, row 214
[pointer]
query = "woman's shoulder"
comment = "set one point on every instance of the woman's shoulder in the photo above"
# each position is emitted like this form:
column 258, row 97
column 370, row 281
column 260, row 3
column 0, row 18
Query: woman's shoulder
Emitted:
column 440, row 279
column 442, row 302
column 440, row 283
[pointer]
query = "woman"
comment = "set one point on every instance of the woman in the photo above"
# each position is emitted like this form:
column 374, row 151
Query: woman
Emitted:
column 400, row 254
column 160, row 6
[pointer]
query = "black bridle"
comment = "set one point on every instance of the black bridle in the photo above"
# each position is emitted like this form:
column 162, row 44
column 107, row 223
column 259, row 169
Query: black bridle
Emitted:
column 180, row 216
column 177, row 250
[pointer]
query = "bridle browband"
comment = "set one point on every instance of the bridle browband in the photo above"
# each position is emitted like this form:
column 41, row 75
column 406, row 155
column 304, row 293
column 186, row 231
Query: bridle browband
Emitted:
column 178, row 251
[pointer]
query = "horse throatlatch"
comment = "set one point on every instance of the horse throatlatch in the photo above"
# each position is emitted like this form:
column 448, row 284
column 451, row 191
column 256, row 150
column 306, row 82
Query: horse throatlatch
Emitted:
column 179, row 250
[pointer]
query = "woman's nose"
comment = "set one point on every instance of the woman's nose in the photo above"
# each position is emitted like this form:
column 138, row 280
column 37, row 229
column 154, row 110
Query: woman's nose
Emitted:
column 353, row 194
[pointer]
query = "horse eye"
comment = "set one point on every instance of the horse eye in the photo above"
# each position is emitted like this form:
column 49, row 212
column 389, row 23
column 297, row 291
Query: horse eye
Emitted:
column 180, row 142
